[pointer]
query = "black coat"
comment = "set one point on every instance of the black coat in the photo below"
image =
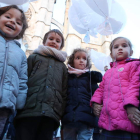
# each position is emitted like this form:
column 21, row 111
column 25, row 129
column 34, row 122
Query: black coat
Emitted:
column 47, row 86
column 78, row 98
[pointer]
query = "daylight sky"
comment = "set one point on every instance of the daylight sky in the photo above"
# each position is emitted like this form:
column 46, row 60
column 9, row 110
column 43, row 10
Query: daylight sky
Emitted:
column 131, row 29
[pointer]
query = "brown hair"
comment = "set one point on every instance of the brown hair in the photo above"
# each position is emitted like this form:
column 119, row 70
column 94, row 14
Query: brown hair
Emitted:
column 23, row 18
column 71, row 57
column 57, row 32
column 112, row 43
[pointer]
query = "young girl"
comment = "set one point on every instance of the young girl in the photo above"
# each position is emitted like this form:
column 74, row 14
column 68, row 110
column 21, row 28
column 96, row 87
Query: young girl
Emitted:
column 118, row 93
column 47, row 85
column 78, row 120
column 13, row 63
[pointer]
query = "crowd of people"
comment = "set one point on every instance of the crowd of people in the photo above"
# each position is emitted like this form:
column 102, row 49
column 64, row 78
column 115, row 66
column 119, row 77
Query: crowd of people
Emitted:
column 40, row 91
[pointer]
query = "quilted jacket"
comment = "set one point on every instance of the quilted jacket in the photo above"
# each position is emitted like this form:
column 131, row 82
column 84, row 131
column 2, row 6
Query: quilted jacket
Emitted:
column 120, row 87
column 13, row 75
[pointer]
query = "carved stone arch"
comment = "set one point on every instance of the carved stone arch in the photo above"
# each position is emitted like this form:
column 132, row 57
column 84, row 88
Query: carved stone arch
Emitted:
column 60, row 26
column 30, row 14
column 31, row 19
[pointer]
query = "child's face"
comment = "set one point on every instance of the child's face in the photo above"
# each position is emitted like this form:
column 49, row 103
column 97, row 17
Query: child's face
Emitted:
column 80, row 60
column 53, row 40
column 11, row 23
column 121, row 50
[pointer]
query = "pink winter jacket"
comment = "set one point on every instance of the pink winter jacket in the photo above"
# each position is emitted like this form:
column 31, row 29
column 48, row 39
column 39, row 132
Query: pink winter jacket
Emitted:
column 120, row 87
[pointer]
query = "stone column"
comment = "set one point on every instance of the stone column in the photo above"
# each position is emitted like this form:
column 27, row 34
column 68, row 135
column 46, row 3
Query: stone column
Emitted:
column 43, row 22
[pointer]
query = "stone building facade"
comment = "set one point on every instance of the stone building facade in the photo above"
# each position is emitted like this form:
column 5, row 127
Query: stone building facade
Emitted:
column 39, row 18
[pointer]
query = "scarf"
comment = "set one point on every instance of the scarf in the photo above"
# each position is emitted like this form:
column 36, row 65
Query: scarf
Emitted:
column 72, row 70
column 46, row 51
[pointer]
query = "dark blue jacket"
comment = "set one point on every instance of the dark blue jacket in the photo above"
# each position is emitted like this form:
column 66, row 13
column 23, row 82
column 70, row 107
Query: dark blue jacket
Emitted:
column 78, row 98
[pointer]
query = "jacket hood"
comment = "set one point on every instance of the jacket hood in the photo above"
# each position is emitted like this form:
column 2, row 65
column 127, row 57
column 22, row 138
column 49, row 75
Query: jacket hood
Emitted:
column 47, row 51
column 13, row 41
column 112, row 64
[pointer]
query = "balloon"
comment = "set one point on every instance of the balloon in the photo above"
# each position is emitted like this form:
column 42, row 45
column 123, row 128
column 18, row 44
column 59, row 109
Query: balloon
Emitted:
column 23, row 6
column 91, row 17
column 100, row 60
column 16, row 2
column 102, row 7
column 113, row 21
column 75, row 21
column 80, row 18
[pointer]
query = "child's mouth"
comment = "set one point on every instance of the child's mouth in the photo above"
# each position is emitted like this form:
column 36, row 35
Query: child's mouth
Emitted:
column 120, row 53
column 10, row 26
column 52, row 46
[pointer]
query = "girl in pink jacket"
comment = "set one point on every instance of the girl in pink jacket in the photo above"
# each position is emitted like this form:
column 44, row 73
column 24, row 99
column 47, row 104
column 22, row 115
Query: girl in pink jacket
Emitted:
column 116, row 101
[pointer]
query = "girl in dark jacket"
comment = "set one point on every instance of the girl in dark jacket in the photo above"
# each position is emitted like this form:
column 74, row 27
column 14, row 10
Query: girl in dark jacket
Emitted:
column 47, row 85
column 78, row 120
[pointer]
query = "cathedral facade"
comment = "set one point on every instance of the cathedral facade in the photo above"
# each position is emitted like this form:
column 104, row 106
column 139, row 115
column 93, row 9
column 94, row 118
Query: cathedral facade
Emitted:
column 40, row 18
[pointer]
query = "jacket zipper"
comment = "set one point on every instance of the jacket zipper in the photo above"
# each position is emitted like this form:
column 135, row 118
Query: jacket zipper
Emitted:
column 4, row 70
column 36, row 68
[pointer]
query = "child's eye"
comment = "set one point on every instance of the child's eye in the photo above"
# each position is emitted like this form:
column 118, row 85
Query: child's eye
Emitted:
column 7, row 17
column 124, row 45
column 58, row 41
column 18, row 23
column 115, row 47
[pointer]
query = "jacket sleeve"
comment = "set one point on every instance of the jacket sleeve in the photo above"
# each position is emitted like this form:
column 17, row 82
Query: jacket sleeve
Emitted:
column 132, row 95
column 64, row 88
column 96, row 76
column 21, row 98
column 98, row 95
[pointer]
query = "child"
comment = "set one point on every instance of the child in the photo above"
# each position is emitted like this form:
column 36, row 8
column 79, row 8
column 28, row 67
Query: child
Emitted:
column 118, row 93
column 47, row 87
column 13, row 63
column 78, row 120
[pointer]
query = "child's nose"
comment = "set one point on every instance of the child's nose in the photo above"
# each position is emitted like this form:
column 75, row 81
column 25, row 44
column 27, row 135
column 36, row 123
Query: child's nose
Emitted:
column 13, row 21
column 54, row 41
column 120, row 47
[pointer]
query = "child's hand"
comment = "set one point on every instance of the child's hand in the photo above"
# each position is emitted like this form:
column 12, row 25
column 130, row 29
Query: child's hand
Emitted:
column 133, row 115
column 106, row 68
column 97, row 109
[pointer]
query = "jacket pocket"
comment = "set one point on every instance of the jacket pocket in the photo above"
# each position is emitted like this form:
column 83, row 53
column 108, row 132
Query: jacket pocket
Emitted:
column 31, row 97
column 36, row 67
column 58, row 105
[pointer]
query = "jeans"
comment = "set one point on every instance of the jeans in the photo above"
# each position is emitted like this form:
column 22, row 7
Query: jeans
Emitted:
column 77, row 131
